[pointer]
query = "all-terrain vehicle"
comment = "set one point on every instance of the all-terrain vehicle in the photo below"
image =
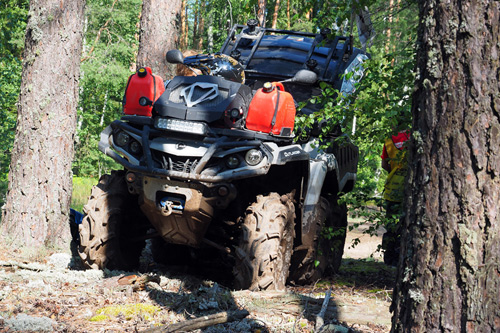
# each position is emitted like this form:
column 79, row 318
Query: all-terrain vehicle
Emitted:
column 212, row 164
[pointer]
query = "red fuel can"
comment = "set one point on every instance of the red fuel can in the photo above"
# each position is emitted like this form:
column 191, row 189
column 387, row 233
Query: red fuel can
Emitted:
column 272, row 110
column 142, row 84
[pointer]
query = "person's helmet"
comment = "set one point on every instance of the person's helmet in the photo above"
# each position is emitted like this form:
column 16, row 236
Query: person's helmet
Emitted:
column 227, row 67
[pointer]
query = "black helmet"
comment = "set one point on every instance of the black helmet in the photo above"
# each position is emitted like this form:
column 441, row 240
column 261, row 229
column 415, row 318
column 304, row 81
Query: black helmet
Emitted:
column 227, row 67
column 217, row 65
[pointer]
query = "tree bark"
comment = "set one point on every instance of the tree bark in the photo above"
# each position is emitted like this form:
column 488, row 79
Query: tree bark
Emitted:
column 186, row 35
column 261, row 14
column 159, row 34
column 195, row 23
column 201, row 25
column 184, row 25
column 275, row 14
column 449, row 276
column 36, row 213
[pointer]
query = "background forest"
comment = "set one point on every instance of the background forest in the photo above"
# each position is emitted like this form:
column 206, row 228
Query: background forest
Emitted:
column 381, row 104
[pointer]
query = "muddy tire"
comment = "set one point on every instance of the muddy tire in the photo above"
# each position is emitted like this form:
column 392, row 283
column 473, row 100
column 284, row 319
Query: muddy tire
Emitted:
column 111, row 226
column 309, row 265
column 266, row 244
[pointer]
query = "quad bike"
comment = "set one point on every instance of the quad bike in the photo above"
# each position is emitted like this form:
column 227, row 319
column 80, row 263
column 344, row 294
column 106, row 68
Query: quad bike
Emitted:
column 212, row 167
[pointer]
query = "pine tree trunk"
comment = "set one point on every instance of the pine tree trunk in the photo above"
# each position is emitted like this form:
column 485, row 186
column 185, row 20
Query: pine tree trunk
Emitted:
column 210, row 46
column 261, row 14
column 201, row 26
column 184, row 31
column 275, row 14
column 449, row 277
column 36, row 213
column 389, row 26
column 159, row 34
column 195, row 24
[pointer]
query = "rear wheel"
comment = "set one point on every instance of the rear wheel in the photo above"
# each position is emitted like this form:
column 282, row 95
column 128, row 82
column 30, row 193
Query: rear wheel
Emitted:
column 266, row 244
column 111, row 230
column 309, row 265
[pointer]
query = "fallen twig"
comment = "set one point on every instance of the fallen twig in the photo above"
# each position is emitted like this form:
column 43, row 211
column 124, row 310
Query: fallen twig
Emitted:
column 320, row 321
column 21, row 266
column 202, row 322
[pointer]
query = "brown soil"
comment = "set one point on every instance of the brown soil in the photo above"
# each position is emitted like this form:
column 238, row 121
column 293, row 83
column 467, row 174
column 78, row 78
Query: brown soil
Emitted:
column 47, row 295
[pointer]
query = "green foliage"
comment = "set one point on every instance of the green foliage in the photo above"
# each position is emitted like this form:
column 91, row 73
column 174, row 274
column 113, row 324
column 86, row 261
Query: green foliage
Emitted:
column 109, row 53
column 13, row 16
column 82, row 187
column 354, row 272
column 382, row 101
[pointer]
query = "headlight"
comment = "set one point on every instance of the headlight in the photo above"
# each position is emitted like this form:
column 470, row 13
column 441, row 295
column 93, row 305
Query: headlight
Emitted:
column 135, row 147
column 122, row 139
column 181, row 126
column 253, row 157
column 232, row 162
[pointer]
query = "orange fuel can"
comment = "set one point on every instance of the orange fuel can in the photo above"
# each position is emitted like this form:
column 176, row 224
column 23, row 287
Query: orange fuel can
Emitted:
column 272, row 110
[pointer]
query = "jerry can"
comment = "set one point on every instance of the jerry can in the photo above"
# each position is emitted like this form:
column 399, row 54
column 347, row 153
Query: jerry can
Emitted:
column 272, row 110
column 142, row 84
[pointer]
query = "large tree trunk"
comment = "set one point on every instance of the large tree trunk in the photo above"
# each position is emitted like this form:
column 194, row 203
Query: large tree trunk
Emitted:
column 40, row 183
column 449, row 276
column 159, row 33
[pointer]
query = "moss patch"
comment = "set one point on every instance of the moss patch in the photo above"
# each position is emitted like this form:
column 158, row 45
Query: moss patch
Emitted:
column 129, row 311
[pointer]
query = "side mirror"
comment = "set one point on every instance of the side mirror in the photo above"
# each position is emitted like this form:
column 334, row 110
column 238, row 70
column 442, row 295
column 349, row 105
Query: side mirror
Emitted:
column 175, row 57
column 304, row 76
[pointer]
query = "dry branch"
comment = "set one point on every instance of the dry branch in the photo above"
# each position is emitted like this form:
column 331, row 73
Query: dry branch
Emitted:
column 320, row 321
column 202, row 322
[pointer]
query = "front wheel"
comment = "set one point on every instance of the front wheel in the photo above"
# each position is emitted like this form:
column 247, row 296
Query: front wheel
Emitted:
column 111, row 230
column 266, row 244
column 309, row 265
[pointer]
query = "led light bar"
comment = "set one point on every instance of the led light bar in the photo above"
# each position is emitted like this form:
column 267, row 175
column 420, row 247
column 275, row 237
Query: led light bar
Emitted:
column 181, row 126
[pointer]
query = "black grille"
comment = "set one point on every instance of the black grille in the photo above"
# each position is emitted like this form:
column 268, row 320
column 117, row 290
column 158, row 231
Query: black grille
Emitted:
column 175, row 163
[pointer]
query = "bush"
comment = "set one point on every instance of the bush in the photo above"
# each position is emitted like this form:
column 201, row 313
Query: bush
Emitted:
column 81, row 191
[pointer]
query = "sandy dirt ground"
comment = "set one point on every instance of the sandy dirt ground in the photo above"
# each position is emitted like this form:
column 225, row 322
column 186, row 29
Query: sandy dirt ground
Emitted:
column 50, row 296
column 368, row 245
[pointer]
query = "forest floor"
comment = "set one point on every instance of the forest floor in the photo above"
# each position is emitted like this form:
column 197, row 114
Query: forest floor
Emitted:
column 46, row 295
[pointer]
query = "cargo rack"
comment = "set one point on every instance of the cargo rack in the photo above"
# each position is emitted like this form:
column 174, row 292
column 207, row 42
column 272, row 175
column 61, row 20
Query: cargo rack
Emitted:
column 279, row 54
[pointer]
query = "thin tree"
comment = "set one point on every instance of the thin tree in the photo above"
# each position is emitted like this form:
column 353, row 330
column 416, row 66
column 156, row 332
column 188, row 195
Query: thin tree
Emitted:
column 288, row 14
column 275, row 14
column 159, row 33
column 448, row 279
column 201, row 25
column 36, row 213
column 195, row 24
column 261, row 13
column 184, row 26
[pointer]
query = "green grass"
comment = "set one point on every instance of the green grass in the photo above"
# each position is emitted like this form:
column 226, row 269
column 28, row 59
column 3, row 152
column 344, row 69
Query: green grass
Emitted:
column 367, row 274
column 81, row 191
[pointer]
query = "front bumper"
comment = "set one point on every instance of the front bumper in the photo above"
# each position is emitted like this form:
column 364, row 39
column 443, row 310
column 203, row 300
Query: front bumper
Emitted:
column 217, row 147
